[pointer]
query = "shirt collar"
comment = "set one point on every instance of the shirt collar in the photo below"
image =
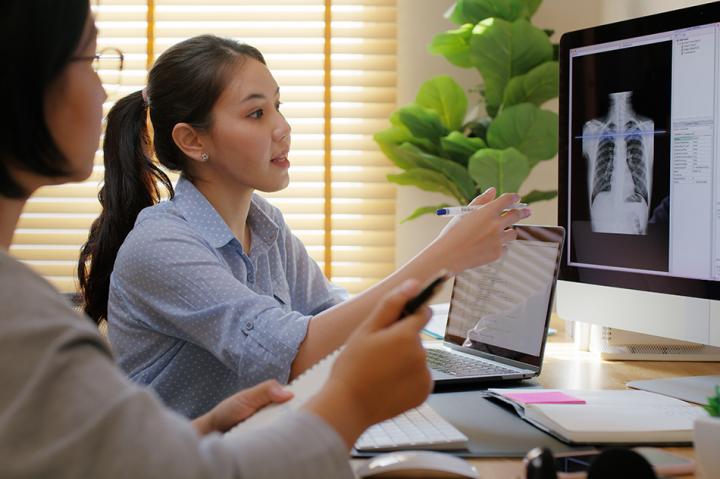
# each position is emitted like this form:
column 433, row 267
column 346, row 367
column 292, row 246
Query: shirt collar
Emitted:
column 205, row 219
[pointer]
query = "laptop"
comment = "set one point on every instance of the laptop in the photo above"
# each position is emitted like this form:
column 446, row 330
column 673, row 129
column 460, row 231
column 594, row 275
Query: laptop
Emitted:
column 500, row 312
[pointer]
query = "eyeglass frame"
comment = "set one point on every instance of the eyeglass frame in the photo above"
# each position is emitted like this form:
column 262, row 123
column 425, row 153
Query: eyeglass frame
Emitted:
column 108, row 52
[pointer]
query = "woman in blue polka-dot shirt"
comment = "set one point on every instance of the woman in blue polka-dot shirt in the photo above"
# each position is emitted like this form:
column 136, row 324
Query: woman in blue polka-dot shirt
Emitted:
column 210, row 291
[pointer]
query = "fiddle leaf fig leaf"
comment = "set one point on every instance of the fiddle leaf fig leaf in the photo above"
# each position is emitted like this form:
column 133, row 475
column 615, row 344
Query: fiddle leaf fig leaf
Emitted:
column 427, row 180
column 474, row 11
column 501, row 50
column 454, row 172
column 454, row 45
column 424, row 210
column 536, row 195
column 460, row 147
column 443, row 95
column 503, row 169
column 536, row 86
column 528, row 129
column 422, row 122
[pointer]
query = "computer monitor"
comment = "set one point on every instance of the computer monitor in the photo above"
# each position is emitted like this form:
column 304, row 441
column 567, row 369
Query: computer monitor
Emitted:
column 639, row 175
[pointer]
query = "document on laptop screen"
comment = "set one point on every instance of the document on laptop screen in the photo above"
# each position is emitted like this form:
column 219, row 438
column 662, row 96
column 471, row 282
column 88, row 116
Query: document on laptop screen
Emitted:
column 505, row 303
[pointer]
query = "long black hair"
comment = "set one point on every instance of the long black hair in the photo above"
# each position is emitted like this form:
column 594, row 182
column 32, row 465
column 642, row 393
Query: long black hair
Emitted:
column 37, row 41
column 183, row 86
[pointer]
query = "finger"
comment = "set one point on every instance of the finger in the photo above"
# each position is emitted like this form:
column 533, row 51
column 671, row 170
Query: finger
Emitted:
column 391, row 306
column 415, row 322
column 502, row 202
column 510, row 217
column 267, row 392
column 508, row 235
column 486, row 197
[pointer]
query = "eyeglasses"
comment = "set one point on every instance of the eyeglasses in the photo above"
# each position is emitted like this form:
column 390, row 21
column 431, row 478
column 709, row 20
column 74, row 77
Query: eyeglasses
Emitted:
column 108, row 64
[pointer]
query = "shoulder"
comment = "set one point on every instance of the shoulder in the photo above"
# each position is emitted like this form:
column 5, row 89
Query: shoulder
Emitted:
column 34, row 313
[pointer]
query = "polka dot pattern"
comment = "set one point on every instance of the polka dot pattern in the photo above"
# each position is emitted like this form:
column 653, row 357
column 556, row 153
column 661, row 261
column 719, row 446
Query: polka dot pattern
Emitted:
column 195, row 317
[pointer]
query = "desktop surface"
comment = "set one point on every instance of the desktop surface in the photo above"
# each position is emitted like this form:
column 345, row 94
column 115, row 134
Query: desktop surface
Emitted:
column 565, row 367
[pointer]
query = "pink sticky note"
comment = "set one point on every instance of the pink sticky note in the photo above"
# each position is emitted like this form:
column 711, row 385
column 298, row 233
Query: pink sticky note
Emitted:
column 544, row 397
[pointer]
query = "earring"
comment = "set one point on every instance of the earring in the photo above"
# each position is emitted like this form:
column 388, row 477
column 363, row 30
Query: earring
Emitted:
column 204, row 157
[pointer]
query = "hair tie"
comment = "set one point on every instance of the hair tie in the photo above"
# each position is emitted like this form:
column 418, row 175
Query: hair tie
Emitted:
column 145, row 95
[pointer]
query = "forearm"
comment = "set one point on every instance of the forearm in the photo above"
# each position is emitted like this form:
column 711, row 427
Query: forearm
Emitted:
column 330, row 329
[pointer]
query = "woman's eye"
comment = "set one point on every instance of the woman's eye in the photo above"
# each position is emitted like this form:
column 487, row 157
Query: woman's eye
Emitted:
column 257, row 114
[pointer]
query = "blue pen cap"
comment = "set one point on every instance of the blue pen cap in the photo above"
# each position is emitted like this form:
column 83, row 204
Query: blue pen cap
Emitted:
column 441, row 211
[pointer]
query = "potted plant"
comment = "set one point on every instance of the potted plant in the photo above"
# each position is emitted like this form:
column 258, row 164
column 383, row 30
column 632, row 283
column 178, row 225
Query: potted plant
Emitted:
column 444, row 146
column 707, row 437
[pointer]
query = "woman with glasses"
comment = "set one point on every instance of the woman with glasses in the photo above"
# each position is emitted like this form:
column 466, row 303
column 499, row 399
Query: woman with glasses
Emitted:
column 211, row 292
column 65, row 409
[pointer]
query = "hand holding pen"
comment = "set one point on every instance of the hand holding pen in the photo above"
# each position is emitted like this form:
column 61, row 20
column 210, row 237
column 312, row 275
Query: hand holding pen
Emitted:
column 478, row 234
column 459, row 210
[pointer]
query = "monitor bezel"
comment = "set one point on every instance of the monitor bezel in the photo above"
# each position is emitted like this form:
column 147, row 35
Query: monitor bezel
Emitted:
column 653, row 24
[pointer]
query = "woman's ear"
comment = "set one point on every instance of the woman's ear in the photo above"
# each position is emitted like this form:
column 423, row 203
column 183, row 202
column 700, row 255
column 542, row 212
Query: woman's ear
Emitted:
column 190, row 142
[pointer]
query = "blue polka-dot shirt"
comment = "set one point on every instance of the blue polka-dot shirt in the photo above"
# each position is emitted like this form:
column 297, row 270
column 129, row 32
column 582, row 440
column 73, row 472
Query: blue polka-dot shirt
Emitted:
column 195, row 317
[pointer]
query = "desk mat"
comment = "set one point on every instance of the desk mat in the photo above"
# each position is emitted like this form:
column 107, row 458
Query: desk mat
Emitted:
column 494, row 430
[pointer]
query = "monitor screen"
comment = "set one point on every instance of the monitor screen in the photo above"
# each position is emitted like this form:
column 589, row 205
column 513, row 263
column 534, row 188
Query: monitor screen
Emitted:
column 639, row 161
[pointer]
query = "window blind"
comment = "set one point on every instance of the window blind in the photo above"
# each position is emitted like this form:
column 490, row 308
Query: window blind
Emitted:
column 291, row 35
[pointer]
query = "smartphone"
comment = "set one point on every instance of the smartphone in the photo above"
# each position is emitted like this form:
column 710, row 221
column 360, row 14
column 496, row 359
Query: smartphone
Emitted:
column 424, row 296
column 574, row 465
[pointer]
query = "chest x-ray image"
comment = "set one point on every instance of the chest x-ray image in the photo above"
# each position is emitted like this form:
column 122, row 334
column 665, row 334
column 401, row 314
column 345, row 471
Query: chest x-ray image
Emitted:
column 618, row 149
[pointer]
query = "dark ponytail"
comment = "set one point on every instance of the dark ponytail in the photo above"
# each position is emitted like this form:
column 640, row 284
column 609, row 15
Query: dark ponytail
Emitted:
column 183, row 86
column 131, row 184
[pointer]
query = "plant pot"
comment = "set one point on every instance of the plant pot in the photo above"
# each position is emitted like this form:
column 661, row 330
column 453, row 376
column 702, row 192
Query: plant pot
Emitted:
column 707, row 445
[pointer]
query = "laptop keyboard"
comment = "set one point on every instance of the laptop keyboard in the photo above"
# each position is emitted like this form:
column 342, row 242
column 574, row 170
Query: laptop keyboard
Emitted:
column 419, row 428
column 458, row 365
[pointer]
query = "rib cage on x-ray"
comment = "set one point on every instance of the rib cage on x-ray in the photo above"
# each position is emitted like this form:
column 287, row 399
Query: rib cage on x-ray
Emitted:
column 619, row 154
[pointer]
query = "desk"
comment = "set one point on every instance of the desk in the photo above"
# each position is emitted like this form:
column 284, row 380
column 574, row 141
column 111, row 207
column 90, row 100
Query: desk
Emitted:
column 564, row 367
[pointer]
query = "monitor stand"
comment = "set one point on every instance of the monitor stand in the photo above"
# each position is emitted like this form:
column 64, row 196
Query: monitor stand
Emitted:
column 617, row 344
column 696, row 389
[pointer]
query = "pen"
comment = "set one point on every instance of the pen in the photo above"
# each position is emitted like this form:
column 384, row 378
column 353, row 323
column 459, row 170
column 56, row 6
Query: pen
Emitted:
column 458, row 210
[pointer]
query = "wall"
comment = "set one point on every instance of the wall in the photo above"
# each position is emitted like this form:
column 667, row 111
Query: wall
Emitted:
column 418, row 22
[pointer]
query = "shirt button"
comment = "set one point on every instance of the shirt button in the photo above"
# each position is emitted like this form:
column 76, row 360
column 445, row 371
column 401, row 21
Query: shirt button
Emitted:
column 249, row 326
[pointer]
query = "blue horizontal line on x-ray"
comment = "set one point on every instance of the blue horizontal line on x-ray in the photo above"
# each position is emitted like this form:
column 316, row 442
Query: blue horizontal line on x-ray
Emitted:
column 621, row 135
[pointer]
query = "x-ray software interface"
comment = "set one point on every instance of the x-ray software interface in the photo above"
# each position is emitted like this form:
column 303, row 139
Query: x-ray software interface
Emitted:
column 644, row 169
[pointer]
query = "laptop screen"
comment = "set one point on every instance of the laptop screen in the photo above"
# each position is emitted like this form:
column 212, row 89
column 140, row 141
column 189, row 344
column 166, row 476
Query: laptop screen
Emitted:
column 503, row 308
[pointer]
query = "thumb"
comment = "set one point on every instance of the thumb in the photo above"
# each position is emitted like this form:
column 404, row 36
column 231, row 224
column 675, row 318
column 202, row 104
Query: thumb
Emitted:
column 486, row 197
column 266, row 392
column 391, row 305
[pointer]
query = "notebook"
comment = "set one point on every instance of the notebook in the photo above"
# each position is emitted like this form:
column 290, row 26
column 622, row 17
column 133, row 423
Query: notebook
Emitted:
column 499, row 313
column 604, row 417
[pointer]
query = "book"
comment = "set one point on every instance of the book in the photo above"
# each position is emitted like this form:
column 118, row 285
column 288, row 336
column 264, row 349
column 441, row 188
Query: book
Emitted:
column 303, row 387
column 601, row 417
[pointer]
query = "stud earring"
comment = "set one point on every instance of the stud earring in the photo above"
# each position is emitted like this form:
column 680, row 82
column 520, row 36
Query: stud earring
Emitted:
column 204, row 157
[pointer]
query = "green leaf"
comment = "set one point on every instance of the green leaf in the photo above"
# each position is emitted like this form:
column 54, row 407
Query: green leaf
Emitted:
column 454, row 172
column 532, row 131
column 443, row 95
column 503, row 169
column 536, row 195
column 422, row 122
column 501, row 50
column 389, row 140
column 536, row 86
column 427, row 180
column 474, row 11
column 454, row 45
column 480, row 127
column 424, row 210
column 460, row 147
